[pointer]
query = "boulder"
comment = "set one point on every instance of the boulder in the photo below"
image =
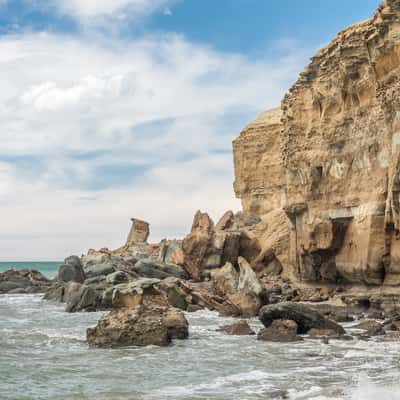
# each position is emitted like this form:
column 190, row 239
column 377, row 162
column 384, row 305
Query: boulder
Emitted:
column 117, row 277
column 71, row 270
column 80, row 297
column 139, row 232
column 99, row 269
column 239, row 286
column 305, row 317
column 95, row 257
column 240, row 328
column 175, row 292
column 138, row 326
column 142, row 291
column 153, row 269
column 24, row 281
column 280, row 330
column 196, row 246
column 55, row 293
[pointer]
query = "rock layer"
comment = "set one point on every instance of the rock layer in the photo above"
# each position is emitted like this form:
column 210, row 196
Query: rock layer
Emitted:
column 330, row 159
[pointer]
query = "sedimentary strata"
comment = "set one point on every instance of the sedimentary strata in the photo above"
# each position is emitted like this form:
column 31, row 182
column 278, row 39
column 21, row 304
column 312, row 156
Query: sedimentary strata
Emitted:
column 329, row 159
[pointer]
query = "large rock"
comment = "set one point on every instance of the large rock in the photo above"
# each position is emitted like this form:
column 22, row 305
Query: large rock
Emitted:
column 23, row 281
column 99, row 270
column 71, row 270
column 79, row 297
column 329, row 157
column 280, row 331
column 240, row 328
column 239, row 286
column 305, row 317
column 152, row 269
column 142, row 291
column 139, row 232
column 139, row 326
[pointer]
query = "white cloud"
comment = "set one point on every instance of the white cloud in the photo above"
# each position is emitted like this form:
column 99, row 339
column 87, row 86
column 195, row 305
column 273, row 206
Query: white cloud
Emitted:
column 84, row 9
column 93, row 133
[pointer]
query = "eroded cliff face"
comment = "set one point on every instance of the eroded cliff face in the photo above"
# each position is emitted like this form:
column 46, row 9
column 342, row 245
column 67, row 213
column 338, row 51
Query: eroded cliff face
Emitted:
column 330, row 159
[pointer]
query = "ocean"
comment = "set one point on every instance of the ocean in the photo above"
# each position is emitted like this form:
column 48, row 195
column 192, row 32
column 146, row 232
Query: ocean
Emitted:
column 48, row 268
column 44, row 356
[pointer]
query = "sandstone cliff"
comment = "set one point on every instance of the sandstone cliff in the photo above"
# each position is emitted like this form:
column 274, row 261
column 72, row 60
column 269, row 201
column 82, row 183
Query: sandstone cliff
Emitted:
column 327, row 163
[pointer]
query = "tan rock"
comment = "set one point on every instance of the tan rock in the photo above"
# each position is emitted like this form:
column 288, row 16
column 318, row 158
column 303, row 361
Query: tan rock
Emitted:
column 138, row 326
column 330, row 158
column 139, row 232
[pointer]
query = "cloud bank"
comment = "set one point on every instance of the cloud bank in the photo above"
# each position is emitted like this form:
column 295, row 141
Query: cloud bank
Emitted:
column 94, row 132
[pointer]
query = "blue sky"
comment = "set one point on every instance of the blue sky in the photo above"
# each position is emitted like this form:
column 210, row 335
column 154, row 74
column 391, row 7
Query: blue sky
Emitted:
column 122, row 108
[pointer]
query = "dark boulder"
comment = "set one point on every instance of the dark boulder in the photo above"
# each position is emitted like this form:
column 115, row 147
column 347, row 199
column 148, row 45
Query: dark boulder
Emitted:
column 152, row 269
column 71, row 270
column 99, row 270
column 280, row 331
column 240, row 328
column 80, row 297
column 23, row 281
column 305, row 317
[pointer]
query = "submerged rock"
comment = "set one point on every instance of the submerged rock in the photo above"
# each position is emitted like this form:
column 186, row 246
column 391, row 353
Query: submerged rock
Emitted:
column 305, row 317
column 139, row 326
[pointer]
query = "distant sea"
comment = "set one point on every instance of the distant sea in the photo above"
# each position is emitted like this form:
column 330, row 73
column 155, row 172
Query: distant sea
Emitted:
column 48, row 268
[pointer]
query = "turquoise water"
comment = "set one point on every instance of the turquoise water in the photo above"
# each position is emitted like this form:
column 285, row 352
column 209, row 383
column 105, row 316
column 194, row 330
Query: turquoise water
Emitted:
column 48, row 268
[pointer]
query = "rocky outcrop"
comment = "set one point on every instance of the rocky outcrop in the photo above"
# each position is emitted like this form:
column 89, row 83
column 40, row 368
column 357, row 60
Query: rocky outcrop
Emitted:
column 305, row 317
column 240, row 287
column 280, row 330
column 139, row 326
column 23, row 281
column 210, row 246
column 139, row 232
column 240, row 328
column 329, row 158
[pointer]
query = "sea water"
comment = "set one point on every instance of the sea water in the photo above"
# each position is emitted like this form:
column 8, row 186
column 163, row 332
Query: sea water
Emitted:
column 43, row 355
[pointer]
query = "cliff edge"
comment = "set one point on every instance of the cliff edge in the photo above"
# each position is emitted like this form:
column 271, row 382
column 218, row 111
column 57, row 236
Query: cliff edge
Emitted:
column 329, row 159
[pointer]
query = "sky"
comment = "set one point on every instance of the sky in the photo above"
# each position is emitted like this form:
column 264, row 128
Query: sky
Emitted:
column 112, row 109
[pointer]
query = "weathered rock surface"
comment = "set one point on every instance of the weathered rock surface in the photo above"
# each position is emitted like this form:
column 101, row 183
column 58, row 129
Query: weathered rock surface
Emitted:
column 240, row 286
column 280, row 330
column 305, row 317
column 71, row 270
column 23, row 281
column 240, row 328
column 139, row 326
column 152, row 269
column 79, row 297
column 139, row 232
column 329, row 157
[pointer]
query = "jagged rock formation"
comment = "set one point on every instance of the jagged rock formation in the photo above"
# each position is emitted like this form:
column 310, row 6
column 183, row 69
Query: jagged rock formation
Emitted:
column 330, row 159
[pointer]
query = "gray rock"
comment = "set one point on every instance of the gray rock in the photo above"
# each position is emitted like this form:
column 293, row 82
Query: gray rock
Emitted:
column 305, row 317
column 71, row 271
column 284, row 331
column 117, row 277
column 75, row 261
column 80, row 297
column 55, row 293
column 26, row 281
column 153, row 269
column 99, row 269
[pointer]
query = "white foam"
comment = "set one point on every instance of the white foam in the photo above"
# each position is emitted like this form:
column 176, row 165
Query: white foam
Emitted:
column 367, row 390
